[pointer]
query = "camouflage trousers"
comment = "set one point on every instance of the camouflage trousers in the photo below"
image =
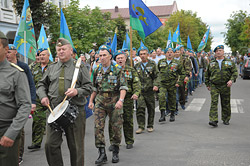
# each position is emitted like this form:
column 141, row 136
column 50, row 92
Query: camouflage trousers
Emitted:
column 38, row 125
column 105, row 106
column 146, row 100
column 128, row 123
column 169, row 93
column 224, row 93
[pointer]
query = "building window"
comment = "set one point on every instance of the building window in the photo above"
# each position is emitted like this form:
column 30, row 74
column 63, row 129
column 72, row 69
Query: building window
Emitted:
column 5, row 4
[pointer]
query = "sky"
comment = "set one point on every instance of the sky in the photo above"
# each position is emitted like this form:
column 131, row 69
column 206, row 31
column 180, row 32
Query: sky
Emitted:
column 213, row 12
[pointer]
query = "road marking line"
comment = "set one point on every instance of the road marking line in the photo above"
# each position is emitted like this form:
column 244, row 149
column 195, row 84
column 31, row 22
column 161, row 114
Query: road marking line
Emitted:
column 196, row 104
column 236, row 105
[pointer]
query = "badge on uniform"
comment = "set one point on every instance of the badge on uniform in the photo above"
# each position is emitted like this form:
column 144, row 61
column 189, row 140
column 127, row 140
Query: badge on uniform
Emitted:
column 163, row 64
column 212, row 64
column 36, row 72
column 173, row 67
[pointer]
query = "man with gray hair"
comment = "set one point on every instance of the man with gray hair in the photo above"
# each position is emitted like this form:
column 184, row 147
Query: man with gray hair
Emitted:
column 51, row 90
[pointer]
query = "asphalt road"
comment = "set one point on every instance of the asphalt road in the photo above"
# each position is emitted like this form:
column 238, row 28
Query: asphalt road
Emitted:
column 189, row 141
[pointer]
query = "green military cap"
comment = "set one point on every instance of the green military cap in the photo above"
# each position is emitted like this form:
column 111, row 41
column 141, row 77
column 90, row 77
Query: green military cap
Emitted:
column 2, row 35
column 61, row 42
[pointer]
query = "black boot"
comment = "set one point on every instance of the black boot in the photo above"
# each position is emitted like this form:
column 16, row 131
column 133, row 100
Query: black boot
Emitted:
column 115, row 158
column 162, row 118
column 102, row 156
column 172, row 116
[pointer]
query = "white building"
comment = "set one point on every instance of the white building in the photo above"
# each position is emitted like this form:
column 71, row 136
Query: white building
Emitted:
column 9, row 19
column 59, row 3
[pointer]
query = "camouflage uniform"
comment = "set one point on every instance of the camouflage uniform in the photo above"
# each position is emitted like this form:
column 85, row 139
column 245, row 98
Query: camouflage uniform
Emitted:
column 169, row 75
column 186, row 63
column 217, row 80
column 134, row 87
column 146, row 100
column 39, row 115
column 108, row 85
column 32, row 65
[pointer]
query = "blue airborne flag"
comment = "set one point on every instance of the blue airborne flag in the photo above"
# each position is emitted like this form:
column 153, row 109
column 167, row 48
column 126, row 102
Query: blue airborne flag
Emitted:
column 189, row 45
column 169, row 40
column 43, row 42
column 142, row 18
column 176, row 34
column 26, row 34
column 127, row 41
column 203, row 42
column 114, row 43
column 124, row 46
column 64, row 30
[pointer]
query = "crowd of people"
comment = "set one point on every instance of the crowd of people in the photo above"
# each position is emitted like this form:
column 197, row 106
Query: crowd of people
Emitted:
column 112, row 84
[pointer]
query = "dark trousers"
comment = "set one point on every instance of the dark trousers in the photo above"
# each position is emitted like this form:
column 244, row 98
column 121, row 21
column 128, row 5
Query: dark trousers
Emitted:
column 21, row 143
column 75, row 139
column 9, row 155
column 146, row 100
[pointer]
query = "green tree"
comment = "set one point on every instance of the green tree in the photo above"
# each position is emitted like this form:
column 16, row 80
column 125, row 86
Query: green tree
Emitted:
column 245, row 34
column 190, row 25
column 88, row 28
column 40, row 10
column 234, row 36
column 119, row 23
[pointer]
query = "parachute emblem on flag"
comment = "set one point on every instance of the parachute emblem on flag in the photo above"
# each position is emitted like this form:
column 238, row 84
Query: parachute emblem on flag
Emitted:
column 141, row 11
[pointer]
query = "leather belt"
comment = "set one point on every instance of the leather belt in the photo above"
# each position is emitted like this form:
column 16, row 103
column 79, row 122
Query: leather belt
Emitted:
column 108, row 94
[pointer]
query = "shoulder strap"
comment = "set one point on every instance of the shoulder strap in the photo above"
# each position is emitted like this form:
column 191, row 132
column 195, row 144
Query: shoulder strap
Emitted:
column 16, row 66
column 77, row 67
column 147, row 71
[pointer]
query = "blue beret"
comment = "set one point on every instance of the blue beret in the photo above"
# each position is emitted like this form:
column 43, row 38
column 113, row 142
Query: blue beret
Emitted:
column 118, row 52
column 106, row 47
column 142, row 48
column 91, row 51
column 219, row 47
column 12, row 47
column 168, row 49
column 40, row 50
column 181, row 46
column 74, row 50
column 134, row 49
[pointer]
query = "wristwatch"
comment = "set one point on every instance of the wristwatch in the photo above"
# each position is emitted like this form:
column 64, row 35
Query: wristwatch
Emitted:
column 122, row 100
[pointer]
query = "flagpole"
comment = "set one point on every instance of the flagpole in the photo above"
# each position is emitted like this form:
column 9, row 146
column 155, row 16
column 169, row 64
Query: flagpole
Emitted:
column 131, row 59
column 25, row 56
